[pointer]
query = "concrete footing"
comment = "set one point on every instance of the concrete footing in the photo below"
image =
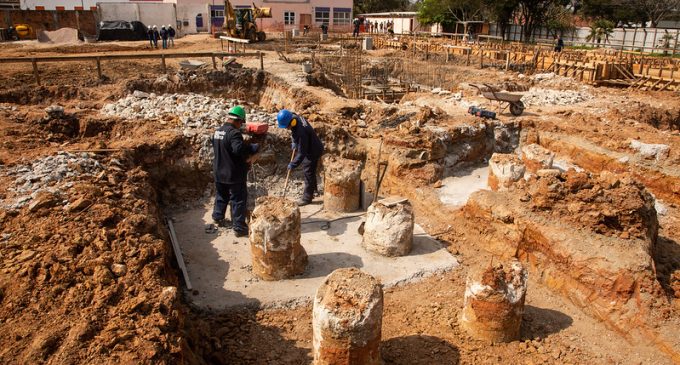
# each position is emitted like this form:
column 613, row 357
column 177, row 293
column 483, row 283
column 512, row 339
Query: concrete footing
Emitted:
column 494, row 302
column 504, row 170
column 275, row 239
column 537, row 158
column 347, row 319
column 342, row 181
column 389, row 228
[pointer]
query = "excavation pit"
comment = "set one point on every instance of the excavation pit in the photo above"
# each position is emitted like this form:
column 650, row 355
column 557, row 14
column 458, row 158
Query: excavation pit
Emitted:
column 219, row 264
column 457, row 188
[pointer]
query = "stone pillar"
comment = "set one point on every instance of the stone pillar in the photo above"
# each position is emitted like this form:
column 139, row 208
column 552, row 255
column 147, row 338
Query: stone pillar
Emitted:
column 537, row 158
column 504, row 170
column 342, row 179
column 494, row 302
column 347, row 319
column 389, row 228
column 275, row 239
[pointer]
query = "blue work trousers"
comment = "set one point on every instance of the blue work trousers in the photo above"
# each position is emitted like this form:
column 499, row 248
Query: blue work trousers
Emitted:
column 237, row 195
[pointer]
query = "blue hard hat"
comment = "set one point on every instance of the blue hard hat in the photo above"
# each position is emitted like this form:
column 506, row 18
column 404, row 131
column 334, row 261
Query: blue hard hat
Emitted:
column 284, row 118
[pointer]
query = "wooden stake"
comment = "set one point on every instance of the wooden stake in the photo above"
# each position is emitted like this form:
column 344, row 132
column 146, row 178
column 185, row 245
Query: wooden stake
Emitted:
column 163, row 67
column 99, row 68
column 35, row 71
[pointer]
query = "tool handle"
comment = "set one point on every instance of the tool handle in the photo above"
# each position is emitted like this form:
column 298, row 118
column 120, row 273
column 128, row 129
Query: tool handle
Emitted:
column 285, row 187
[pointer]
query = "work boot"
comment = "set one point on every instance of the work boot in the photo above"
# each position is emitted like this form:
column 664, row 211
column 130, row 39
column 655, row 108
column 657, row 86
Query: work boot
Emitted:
column 224, row 223
column 303, row 202
column 239, row 233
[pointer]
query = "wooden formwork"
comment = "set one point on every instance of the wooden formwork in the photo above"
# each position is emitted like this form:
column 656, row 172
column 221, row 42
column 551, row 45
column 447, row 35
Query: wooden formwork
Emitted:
column 599, row 67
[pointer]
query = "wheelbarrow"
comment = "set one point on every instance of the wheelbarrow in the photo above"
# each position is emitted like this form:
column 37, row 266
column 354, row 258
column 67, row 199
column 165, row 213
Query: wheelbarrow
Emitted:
column 505, row 99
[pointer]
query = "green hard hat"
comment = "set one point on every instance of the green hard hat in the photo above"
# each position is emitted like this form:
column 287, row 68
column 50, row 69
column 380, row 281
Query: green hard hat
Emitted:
column 238, row 112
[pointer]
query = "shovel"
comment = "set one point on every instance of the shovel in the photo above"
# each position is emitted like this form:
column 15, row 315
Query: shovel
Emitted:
column 285, row 187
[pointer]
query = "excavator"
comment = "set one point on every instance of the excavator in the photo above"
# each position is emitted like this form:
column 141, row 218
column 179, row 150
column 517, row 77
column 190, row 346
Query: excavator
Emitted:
column 241, row 23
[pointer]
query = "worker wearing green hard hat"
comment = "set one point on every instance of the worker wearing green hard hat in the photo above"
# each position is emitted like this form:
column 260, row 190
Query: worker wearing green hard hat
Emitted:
column 230, row 166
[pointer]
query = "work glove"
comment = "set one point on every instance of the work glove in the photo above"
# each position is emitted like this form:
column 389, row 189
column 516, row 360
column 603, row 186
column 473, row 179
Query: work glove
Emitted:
column 254, row 147
column 290, row 166
column 293, row 146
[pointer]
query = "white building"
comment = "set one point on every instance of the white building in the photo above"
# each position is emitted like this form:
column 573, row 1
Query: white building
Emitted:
column 199, row 15
column 405, row 22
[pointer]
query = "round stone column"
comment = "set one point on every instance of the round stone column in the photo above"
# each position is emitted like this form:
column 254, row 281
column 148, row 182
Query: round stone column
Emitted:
column 342, row 179
column 347, row 319
column 275, row 239
column 494, row 302
column 389, row 228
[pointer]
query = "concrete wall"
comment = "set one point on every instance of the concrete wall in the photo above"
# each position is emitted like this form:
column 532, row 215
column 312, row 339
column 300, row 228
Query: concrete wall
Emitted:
column 50, row 20
column 148, row 13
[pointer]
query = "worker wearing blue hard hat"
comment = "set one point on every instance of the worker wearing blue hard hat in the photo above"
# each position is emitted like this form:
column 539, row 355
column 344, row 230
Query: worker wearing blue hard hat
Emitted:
column 308, row 150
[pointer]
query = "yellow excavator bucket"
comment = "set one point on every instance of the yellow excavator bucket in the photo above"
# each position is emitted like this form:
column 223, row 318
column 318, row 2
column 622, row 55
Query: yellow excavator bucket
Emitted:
column 264, row 12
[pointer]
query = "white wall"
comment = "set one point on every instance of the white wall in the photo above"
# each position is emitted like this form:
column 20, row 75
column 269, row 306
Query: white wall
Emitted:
column 69, row 4
column 147, row 13
column 626, row 38
column 186, row 12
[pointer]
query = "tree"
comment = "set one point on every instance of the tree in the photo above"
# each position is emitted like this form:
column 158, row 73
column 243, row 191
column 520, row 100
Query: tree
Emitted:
column 620, row 12
column 559, row 20
column 533, row 13
column 600, row 30
column 448, row 12
column 501, row 12
column 655, row 10
column 376, row 6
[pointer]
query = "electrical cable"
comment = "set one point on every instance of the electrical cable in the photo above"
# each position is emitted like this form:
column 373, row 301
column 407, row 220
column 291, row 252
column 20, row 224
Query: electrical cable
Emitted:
column 326, row 224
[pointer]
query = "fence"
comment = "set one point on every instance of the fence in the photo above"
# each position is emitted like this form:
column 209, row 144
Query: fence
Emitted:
column 648, row 40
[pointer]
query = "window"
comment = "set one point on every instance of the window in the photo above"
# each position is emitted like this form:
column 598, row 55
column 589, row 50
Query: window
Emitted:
column 288, row 17
column 322, row 15
column 341, row 16
column 214, row 13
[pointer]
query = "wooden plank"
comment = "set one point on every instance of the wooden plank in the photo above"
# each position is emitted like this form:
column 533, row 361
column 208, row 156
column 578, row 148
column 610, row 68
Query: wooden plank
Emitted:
column 124, row 56
column 235, row 40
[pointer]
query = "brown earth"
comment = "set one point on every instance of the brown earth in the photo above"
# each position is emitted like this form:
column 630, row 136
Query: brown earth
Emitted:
column 97, row 283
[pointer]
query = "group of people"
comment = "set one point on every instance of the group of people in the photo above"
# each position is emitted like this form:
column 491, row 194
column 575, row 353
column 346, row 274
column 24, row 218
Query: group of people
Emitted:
column 167, row 35
column 373, row 27
column 232, row 162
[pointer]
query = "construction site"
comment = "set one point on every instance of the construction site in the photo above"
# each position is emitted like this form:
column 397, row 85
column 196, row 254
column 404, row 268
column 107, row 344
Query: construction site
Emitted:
column 479, row 203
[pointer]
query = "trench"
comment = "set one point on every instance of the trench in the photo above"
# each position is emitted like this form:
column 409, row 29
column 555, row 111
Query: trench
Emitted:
column 181, row 176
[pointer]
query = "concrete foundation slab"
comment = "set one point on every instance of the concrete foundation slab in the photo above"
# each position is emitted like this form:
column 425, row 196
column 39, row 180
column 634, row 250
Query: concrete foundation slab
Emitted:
column 220, row 270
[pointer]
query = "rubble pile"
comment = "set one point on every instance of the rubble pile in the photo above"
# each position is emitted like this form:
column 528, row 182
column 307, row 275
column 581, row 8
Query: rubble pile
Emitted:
column 540, row 96
column 193, row 110
column 554, row 81
column 51, row 173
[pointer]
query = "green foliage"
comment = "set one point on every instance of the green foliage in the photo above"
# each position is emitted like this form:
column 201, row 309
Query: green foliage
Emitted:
column 559, row 20
column 448, row 12
column 376, row 6
column 600, row 30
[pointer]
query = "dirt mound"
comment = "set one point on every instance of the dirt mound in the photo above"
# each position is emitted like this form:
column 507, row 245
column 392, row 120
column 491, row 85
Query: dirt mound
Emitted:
column 63, row 35
column 661, row 118
column 603, row 204
column 93, row 261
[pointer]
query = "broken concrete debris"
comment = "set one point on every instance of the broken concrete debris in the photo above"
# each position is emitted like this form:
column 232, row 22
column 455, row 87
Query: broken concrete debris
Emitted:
column 658, row 152
column 51, row 173
column 275, row 239
column 504, row 170
column 347, row 319
column 537, row 158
